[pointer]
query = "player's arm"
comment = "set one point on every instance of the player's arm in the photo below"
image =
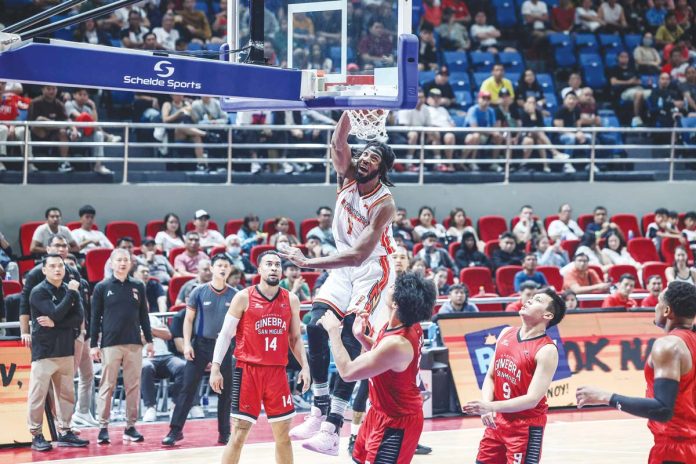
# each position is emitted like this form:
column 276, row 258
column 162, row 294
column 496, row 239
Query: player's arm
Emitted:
column 341, row 155
column 229, row 330
column 367, row 241
column 297, row 345
column 666, row 359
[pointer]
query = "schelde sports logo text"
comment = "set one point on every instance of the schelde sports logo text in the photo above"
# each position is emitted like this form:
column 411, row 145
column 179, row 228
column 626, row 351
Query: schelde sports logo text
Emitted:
column 162, row 69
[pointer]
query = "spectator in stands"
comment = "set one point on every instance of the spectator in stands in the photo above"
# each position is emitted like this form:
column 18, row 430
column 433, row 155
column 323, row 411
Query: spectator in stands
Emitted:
column 582, row 280
column 656, row 16
column 9, row 270
column 401, row 260
column 323, row 229
column 458, row 301
column 508, row 113
column 167, row 35
column 179, row 111
column 496, row 82
column 482, row 115
column 563, row 16
column 441, row 82
column 634, row 12
column 586, row 18
column 529, row 272
column 654, row 286
column 569, row 116
column 86, row 236
column 535, row 14
column 571, row 299
column 484, row 36
column 314, row 247
column 42, row 235
column 234, row 252
column 550, row 255
column 124, row 243
column 615, row 252
column 418, row 265
column 528, row 228
column 171, row 237
column 205, row 275
column 646, row 56
column 119, row 19
column 688, row 89
column 207, row 110
column 187, row 262
column 507, row 254
column 440, row 117
column 689, row 230
column 458, row 225
column 468, row 254
column 460, row 10
column 588, row 108
column 209, row 238
column 611, row 14
column 574, row 85
column 416, row 117
column 533, row 118
column 452, row 32
column 376, row 48
column 680, row 270
column 81, row 108
column 156, row 296
column 626, row 86
column 440, row 276
column 590, row 248
column 684, row 14
column 665, row 104
column 10, row 106
column 195, row 22
column 677, row 64
column 402, row 229
column 528, row 86
column 564, row 228
column 527, row 291
column 427, row 223
column 134, row 35
column 235, row 279
column 89, row 32
column 659, row 229
column 158, row 265
column 48, row 108
column 294, row 282
column 621, row 298
column 601, row 226
column 669, row 32
column 282, row 227
column 150, row 42
column 250, row 234
column 433, row 255
column 428, row 50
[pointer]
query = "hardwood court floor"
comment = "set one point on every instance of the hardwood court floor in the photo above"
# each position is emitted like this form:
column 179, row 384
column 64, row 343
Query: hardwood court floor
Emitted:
column 597, row 437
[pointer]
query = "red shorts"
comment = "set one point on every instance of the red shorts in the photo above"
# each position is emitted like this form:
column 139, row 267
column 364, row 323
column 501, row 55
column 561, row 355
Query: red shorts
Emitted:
column 253, row 384
column 673, row 451
column 512, row 442
column 387, row 440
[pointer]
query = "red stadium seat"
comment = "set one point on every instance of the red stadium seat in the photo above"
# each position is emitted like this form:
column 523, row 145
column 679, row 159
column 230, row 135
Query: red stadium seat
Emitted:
column 257, row 250
column 490, row 227
column 232, row 226
column 570, row 246
column 447, row 222
column 593, row 304
column 269, row 227
column 642, row 250
column 174, row 252
column 154, row 226
column 667, row 247
column 95, row 260
column 211, row 225
column 549, row 219
column 73, row 225
column 585, row 220
column 305, row 226
column 10, row 287
column 256, row 280
column 489, row 307
column 216, row 250
column 452, row 248
column 311, row 278
column 617, row 270
column 117, row 229
column 505, row 279
column 25, row 265
column 26, row 231
column 175, row 286
column 516, row 219
column 553, row 276
column 597, row 269
column 490, row 247
column 645, row 222
column 627, row 222
column 477, row 278
column 654, row 268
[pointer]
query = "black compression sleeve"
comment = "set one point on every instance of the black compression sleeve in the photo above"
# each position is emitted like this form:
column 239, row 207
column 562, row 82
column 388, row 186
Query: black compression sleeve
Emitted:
column 660, row 408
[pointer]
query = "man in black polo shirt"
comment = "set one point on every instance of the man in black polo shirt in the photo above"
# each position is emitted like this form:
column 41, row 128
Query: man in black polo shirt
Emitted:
column 568, row 115
column 56, row 313
column 119, row 313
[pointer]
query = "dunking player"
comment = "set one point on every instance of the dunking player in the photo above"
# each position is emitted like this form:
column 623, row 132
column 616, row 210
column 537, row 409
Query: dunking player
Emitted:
column 266, row 321
column 394, row 423
column 514, row 406
column 361, row 271
column 670, row 374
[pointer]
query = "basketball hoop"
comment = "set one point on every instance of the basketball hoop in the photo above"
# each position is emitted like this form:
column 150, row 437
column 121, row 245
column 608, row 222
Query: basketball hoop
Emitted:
column 369, row 125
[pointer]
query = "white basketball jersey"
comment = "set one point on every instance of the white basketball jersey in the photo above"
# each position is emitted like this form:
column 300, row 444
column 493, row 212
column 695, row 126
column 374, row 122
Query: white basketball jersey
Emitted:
column 354, row 213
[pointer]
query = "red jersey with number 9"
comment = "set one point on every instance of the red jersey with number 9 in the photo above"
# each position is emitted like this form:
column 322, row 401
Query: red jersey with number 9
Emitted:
column 514, row 367
column 263, row 331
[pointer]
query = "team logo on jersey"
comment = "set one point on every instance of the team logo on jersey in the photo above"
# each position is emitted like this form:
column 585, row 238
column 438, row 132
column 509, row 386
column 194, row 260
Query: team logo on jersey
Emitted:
column 481, row 346
column 109, row 293
column 207, row 303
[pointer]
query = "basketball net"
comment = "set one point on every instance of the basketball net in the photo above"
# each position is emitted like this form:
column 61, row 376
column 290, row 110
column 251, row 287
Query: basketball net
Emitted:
column 369, row 125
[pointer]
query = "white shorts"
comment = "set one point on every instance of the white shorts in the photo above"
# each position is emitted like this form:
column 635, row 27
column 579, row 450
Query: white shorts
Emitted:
column 354, row 289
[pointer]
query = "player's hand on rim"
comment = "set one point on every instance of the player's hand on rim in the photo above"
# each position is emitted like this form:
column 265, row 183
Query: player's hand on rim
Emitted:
column 216, row 381
column 329, row 321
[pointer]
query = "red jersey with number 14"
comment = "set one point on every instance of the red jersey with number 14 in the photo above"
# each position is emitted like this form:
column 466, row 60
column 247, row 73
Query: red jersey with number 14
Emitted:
column 263, row 331
column 514, row 368
column 395, row 394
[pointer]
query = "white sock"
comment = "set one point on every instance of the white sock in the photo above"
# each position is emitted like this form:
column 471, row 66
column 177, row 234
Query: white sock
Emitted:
column 354, row 428
column 320, row 389
column 338, row 406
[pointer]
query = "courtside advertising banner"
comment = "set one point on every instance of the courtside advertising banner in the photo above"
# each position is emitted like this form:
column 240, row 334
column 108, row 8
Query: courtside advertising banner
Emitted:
column 606, row 349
